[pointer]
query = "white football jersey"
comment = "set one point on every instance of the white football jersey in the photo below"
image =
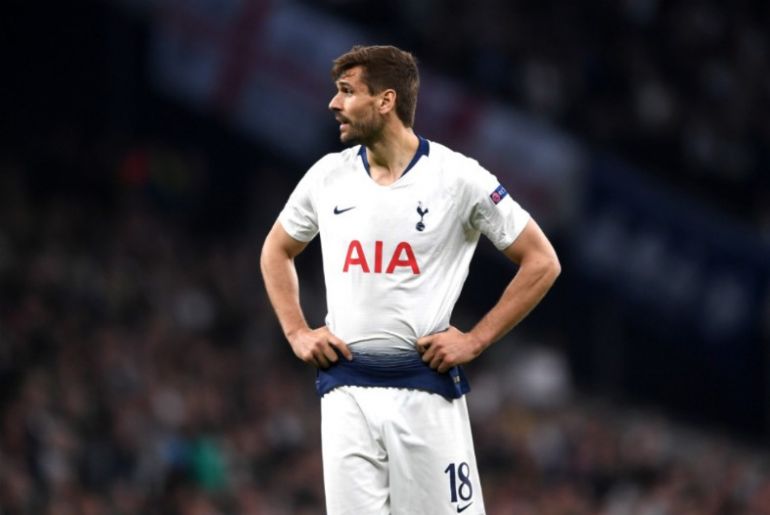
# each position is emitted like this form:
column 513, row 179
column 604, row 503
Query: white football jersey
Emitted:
column 395, row 257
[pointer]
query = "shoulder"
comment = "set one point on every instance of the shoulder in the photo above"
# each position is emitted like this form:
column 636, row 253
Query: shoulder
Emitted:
column 332, row 163
column 455, row 167
column 334, row 160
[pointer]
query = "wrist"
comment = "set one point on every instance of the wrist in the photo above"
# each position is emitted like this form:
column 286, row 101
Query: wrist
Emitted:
column 480, row 343
column 291, row 332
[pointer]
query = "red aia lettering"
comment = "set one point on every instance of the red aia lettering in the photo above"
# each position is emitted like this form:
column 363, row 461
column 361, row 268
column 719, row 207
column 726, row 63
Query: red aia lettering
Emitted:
column 359, row 259
column 403, row 256
column 409, row 260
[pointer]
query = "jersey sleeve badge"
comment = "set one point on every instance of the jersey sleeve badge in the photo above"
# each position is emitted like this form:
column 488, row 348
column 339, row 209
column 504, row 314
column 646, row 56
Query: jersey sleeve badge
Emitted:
column 499, row 194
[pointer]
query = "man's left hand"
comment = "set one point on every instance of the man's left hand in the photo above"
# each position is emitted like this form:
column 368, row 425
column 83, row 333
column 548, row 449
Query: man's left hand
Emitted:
column 449, row 348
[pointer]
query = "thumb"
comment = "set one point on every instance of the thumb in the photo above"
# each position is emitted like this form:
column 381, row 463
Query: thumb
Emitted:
column 425, row 340
column 423, row 343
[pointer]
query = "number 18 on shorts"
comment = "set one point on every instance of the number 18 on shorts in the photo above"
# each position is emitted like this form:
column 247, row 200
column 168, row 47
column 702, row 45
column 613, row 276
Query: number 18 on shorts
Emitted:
column 460, row 485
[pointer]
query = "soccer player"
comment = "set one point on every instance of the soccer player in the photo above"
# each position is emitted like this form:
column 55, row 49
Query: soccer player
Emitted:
column 399, row 218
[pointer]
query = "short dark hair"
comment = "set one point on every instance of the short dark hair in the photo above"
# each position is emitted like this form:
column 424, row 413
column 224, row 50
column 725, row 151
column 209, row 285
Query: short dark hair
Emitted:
column 385, row 67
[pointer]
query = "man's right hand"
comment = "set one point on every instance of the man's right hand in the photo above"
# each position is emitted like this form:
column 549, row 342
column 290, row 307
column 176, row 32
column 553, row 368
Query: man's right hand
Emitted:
column 318, row 346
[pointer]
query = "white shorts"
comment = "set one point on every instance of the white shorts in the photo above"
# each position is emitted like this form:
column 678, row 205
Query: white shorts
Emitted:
column 394, row 451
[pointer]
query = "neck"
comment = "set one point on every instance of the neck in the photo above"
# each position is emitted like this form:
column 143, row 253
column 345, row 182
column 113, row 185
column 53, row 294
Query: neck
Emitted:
column 390, row 155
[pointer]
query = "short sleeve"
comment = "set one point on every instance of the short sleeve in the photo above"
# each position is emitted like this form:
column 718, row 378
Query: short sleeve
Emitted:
column 492, row 211
column 299, row 216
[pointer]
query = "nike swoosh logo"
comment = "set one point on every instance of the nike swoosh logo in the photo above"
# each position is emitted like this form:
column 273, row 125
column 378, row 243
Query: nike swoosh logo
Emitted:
column 461, row 509
column 338, row 211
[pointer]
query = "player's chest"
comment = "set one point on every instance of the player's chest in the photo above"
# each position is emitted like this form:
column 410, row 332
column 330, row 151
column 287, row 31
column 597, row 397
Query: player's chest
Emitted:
column 418, row 213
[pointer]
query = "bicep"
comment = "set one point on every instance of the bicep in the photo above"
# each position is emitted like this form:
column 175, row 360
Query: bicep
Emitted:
column 279, row 242
column 531, row 243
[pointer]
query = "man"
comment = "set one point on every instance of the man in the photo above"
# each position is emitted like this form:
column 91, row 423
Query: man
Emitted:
column 399, row 218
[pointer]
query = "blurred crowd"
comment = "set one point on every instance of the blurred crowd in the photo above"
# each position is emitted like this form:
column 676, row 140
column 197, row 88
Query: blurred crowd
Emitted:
column 142, row 372
column 139, row 369
column 681, row 88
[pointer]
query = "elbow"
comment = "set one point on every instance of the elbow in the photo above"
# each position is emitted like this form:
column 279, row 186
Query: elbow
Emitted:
column 552, row 270
column 266, row 257
column 555, row 267
column 263, row 261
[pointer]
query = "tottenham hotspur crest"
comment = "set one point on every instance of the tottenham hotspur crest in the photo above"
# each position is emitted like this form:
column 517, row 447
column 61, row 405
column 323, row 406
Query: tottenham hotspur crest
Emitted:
column 422, row 212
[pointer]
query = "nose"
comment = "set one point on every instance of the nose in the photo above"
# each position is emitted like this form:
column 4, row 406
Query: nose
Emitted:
column 334, row 103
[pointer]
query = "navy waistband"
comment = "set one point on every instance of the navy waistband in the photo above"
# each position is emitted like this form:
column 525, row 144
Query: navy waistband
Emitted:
column 402, row 370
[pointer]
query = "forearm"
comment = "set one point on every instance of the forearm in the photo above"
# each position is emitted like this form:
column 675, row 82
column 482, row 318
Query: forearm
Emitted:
column 527, row 288
column 281, row 282
column 318, row 347
column 282, row 285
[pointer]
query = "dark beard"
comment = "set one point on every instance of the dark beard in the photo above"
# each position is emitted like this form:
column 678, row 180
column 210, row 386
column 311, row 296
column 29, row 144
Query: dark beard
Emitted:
column 365, row 133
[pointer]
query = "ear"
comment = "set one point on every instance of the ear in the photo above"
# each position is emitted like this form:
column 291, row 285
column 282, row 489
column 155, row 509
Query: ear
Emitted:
column 387, row 101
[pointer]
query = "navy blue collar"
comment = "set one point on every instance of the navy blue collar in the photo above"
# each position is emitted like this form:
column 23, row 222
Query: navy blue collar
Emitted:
column 423, row 149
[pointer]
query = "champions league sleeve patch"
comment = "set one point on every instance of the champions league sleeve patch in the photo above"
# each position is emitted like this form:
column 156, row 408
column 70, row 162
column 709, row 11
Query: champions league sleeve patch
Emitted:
column 499, row 194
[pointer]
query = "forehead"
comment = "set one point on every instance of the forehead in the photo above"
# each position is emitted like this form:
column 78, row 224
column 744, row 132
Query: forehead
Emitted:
column 351, row 76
